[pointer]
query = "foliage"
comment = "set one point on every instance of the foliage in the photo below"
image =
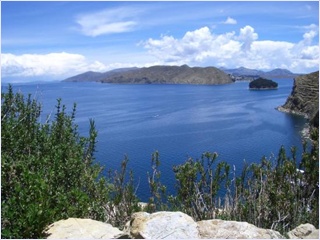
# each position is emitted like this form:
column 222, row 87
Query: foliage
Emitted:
column 123, row 200
column 198, row 184
column 47, row 170
column 157, row 200
column 263, row 84
column 279, row 193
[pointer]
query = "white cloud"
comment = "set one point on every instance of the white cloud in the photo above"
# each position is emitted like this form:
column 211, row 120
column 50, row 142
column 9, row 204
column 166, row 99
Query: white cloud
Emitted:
column 53, row 65
column 229, row 49
column 108, row 21
column 230, row 21
column 56, row 66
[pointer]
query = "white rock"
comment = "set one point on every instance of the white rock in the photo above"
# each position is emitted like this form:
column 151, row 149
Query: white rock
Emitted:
column 304, row 231
column 235, row 230
column 77, row 228
column 163, row 225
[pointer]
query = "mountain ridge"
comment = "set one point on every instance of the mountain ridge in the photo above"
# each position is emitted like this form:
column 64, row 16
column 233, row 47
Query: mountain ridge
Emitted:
column 115, row 74
column 277, row 72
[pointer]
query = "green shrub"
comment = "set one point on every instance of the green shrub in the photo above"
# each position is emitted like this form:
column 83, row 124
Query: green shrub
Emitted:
column 47, row 170
column 198, row 183
column 123, row 200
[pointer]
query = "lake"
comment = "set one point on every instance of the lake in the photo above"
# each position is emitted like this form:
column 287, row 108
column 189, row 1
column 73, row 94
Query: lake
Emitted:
column 180, row 121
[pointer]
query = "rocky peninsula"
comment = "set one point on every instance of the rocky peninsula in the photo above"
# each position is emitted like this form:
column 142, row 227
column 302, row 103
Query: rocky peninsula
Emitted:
column 304, row 98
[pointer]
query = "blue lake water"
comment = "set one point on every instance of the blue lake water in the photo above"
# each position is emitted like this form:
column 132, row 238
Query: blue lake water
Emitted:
column 179, row 121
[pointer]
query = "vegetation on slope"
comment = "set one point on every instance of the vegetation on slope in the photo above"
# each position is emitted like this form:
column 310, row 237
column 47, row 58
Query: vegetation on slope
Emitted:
column 49, row 173
column 262, row 83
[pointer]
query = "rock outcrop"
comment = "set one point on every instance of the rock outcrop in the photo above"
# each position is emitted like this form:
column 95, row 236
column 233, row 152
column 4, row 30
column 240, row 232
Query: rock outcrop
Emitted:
column 219, row 229
column 304, row 231
column 173, row 225
column 78, row 228
column 304, row 98
column 162, row 225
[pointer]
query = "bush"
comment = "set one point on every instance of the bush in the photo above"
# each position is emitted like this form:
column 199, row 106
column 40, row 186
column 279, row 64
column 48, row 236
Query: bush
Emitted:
column 279, row 193
column 47, row 170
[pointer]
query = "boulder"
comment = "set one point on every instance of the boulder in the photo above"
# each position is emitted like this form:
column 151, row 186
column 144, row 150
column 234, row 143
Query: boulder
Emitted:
column 235, row 230
column 82, row 228
column 162, row 225
column 304, row 231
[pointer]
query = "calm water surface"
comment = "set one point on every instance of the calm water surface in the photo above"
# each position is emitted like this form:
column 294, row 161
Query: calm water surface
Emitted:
column 179, row 121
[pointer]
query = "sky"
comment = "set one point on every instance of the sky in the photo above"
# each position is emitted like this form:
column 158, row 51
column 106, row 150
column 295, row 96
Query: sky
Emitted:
column 53, row 40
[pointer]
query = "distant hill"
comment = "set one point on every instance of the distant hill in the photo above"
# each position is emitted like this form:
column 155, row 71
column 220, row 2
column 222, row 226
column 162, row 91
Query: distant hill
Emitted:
column 85, row 77
column 159, row 75
column 280, row 72
column 242, row 71
column 95, row 76
column 275, row 73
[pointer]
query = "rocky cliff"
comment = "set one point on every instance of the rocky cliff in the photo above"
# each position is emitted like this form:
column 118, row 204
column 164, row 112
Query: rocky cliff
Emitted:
column 304, row 98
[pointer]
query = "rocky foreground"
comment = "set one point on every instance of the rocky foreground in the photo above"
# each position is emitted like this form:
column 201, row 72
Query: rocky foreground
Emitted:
column 174, row 225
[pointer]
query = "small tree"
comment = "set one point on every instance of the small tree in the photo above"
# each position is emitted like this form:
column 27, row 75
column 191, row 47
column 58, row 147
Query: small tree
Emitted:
column 198, row 183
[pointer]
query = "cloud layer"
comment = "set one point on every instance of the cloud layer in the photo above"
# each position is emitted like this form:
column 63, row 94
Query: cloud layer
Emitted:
column 202, row 46
column 53, row 65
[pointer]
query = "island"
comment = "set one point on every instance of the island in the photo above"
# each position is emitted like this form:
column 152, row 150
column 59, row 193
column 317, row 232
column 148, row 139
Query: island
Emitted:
column 157, row 75
column 263, row 84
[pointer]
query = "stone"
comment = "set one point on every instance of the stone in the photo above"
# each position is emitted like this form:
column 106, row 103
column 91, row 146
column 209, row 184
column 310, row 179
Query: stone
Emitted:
column 221, row 229
column 77, row 228
column 162, row 225
column 304, row 231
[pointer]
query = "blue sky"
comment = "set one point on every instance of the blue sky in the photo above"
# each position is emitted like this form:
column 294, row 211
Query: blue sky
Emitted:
column 55, row 40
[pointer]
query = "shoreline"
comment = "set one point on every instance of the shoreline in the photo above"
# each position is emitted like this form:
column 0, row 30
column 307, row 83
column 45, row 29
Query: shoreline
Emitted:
column 305, row 132
column 262, row 89
column 285, row 110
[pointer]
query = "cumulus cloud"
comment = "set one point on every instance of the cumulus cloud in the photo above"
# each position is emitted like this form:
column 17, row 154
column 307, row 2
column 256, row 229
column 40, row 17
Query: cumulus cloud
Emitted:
column 108, row 21
column 230, row 21
column 202, row 46
column 52, row 64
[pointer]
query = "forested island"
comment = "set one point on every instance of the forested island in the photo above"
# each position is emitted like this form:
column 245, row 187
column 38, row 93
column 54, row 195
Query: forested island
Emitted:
column 263, row 84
